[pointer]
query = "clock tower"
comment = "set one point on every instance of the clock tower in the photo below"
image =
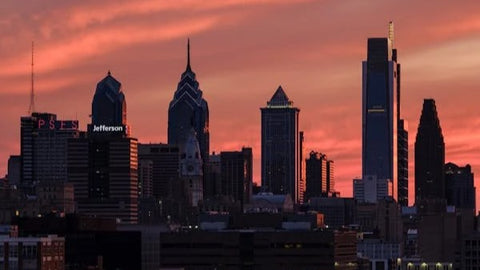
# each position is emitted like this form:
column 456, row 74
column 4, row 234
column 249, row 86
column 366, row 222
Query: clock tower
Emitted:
column 191, row 173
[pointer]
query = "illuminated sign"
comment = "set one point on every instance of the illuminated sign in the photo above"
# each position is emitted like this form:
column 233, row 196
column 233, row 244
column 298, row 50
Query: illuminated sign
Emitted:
column 104, row 128
column 53, row 124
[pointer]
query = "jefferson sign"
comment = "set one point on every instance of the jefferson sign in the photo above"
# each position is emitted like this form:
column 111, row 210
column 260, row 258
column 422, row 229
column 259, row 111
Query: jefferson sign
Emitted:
column 104, row 128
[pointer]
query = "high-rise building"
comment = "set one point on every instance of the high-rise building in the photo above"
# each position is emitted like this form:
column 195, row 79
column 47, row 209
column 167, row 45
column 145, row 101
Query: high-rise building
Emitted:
column 429, row 155
column 43, row 148
column 188, row 109
column 459, row 189
column 165, row 166
column 402, row 185
column 236, row 175
column 381, row 81
column 316, row 173
column 103, row 165
column 281, row 146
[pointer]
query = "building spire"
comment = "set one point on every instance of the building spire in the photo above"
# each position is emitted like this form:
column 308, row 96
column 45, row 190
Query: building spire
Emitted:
column 31, row 107
column 188, row 55
column 390, row 31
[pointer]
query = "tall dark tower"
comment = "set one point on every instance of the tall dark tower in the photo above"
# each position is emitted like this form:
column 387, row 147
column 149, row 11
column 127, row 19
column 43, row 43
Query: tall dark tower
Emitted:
column 429, row 155
column 103, row 164
column 109, row 106
column 380, row 110
column 402, row 163
column 281, row 146
column 188, row 109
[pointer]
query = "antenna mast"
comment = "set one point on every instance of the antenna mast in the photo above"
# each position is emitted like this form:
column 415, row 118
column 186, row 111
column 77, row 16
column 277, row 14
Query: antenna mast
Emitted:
column 31, row 108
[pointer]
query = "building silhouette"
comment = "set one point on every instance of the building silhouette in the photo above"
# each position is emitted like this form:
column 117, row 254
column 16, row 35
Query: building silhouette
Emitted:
column 103, row 163
column 429, row 155
column 319, row 176
column 281, row 146
column 381, row 82
column 165, row 166
column 459, row 189
column 188, row 109
column 402, row 185
column 43, row 145
column 236, row 175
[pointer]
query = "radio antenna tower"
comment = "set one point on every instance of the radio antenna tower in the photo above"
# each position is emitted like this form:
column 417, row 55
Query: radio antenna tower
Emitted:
column 31, row 108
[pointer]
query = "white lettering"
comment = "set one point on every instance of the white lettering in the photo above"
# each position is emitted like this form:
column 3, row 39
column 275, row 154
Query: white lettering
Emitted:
column 103, row 128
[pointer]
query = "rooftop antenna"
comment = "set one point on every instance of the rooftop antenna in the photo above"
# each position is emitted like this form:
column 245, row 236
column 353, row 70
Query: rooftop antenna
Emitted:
column 31, row 108
column 390, row 31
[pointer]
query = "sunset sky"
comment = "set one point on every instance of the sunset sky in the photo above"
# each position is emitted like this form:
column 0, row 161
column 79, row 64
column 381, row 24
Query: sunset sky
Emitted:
column 242, row 50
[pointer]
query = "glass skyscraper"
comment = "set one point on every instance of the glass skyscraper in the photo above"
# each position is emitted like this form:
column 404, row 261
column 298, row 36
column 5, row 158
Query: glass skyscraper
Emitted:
column 380, row 111
column 188, row 109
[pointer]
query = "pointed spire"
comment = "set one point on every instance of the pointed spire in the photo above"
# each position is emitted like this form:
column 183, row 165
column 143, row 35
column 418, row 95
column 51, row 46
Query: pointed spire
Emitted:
column 109, row 73
column 188, row 55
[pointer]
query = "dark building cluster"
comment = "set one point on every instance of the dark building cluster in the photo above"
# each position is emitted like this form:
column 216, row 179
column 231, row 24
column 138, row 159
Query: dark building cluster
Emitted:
column 100, row 199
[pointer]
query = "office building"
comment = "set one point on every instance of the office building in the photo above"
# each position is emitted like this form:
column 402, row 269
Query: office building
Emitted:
column 253, row 249
column 188, row 109
column 429, row 155
column 165, row 166
column 402, row 185
column 43, row 147
column 370, row 189
column 460, row 189
column 338, row 212
column 103, row 164
column 281, row 146
column 319, row 176
column 236, row 175
column 24, row 253
column 381, row 81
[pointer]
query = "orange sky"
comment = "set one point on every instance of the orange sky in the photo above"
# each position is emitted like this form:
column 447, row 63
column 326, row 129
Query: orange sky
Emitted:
column 241, row 51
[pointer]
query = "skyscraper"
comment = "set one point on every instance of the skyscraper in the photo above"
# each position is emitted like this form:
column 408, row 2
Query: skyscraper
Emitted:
column 43, row 148
column 381, row 81
column 188, row 109
column 281, row 146
column 429, row 155
column 459, row 189
column 103, row 165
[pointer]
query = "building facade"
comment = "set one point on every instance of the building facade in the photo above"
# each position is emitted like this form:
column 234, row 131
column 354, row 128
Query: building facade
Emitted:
column 103, row 164
column 281, row 146
column 43, row 148
column 381, row 81
column 429, row 155
column 402, row 185
column 460, row 189
column 236, row 175
column 188, row 109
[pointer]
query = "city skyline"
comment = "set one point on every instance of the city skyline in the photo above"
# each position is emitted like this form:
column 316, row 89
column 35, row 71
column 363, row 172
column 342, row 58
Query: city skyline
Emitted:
column 317, row 58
